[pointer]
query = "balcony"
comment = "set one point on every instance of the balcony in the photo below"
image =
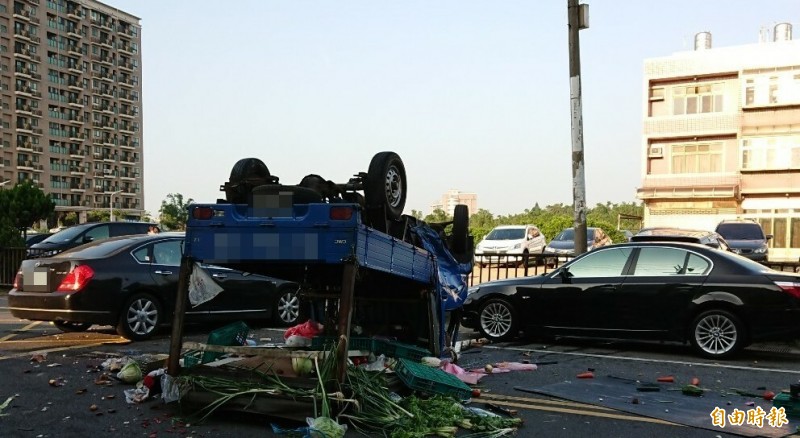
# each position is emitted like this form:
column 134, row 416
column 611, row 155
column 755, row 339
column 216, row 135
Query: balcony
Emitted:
column 123, row 65
column 24, row 109
column 696, row 124
column 75, row 102
column 78, row 154
column 25, row 147
column 25, row 127
column 23, row 90
column 76, row 137
column 75, row 50
column 38, row 149
column 37, row 131
column 77, row 120
column 23, row 14
column 75, row 14
column 127, row 113
column 24, row 72
column 25, row 165
column 78, row 170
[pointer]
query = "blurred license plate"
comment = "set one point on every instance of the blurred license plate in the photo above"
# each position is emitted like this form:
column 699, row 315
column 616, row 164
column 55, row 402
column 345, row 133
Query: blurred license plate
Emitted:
column 40, row 278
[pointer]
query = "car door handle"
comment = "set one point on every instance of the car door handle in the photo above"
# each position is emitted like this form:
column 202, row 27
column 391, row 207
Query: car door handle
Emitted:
column 219, row 275
column 164, row 272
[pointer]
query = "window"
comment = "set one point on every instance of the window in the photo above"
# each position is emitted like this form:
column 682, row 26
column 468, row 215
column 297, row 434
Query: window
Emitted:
column 669, row 261
column 99, row 232
column 142, row 254
column 168, row 253
column 697, row 158
column 601, row 263
column 707, row 98
column 771, row 153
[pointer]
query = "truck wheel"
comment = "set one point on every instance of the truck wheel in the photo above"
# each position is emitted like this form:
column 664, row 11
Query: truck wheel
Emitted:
column 246, row 174
column 386, row 184
column 458, row 243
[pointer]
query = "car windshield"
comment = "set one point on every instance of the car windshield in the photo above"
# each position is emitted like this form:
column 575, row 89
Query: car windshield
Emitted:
column 506, row 234
column 569, row 234
column 64, row 235
column 740, row 231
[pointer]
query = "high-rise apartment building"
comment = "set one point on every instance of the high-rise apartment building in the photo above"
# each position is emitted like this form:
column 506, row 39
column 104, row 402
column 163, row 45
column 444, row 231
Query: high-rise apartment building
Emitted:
column 71, row 109
column 722, row 137
column 452, row 198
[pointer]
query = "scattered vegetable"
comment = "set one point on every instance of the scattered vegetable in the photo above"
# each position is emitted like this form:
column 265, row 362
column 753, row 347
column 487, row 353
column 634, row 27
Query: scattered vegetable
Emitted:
column 666, row 379
column 695, row 381
column 488, row 368
column 130, row 373
column 586, row 375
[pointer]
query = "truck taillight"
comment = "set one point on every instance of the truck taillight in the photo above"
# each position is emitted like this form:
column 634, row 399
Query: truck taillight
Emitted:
column 17, row 280
column 76, row 279
column 341, row 213
column 790, row 287
column 203, row 213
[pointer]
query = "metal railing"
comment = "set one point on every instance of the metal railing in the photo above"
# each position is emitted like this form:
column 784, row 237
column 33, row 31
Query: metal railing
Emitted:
column 10, row 260
column 499, row 266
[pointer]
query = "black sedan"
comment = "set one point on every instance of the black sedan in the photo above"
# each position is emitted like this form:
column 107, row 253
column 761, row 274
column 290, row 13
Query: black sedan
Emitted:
column 130, row 282
column 716, row 300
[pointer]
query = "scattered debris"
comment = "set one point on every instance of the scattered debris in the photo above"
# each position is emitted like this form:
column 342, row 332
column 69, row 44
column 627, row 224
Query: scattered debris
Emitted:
column 81, row 391
column 695, row 381
column 57, row 382
column 665, row 379
column 648, row 387
column 5, row 404
column 54, row 364
column 93, row 408
column 39, row 358
column 103, row 379
column 586, row 375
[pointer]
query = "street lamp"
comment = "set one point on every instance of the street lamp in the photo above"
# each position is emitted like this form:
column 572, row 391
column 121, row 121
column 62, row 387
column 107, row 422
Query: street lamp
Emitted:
column 111, row 206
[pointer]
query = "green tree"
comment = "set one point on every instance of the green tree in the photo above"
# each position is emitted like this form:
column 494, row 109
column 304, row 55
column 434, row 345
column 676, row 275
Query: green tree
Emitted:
column 20, row 207
column 416, row 214
column 438, row 215
column 70, row 219
column 173, row 213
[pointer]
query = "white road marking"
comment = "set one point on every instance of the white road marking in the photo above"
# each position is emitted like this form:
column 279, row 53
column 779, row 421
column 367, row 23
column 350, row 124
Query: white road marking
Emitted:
column 644, row 359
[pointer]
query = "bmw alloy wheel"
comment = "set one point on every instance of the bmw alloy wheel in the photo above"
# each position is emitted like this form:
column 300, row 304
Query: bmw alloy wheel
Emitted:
column 717, row 334
column 497, row 320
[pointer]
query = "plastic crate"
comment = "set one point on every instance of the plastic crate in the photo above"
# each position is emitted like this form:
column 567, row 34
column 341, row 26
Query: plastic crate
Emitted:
column 399, row 350
column 231, row 334
column 354, row 343
column 431, row 380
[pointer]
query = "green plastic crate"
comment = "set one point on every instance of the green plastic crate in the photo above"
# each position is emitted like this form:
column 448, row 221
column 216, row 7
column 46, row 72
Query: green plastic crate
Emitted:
column 354, row 343
column 399, row 350
column 231, row 334
column 431, row 380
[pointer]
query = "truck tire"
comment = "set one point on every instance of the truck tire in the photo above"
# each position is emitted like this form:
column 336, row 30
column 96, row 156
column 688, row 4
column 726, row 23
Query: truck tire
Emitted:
column 246, row 174
column 386, row 184
column 458, row 242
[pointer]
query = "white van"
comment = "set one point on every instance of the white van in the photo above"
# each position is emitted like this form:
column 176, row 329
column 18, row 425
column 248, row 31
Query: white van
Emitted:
column 508, row 240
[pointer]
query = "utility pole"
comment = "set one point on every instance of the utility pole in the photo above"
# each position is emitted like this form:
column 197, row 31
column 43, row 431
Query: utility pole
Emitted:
column 578, row 19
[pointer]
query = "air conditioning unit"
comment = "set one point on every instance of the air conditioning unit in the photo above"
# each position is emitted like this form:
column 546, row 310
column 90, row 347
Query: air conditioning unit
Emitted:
column 655, row 152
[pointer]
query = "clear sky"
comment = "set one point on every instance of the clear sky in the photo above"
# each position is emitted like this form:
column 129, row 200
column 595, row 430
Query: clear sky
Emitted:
column 473, row 95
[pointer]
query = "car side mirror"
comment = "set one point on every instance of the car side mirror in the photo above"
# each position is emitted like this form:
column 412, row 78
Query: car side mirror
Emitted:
column 566, row 276
column 769, row 236
column 87, row 239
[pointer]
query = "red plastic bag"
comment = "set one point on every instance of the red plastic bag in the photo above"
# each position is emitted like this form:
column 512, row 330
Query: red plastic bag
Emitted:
column 308, row 329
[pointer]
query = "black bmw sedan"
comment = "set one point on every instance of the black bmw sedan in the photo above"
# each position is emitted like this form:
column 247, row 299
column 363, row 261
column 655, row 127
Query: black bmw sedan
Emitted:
column 130, row 282
column 716, row 300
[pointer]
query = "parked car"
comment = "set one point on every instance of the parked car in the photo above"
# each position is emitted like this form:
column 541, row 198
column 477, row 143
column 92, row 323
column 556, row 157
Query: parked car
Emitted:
column 509, row 240
column 745, row 237
column 130, row 282
column 35, row 238
column 670, row 291
column 564, row 243
column 666, row 234
column 79, row 234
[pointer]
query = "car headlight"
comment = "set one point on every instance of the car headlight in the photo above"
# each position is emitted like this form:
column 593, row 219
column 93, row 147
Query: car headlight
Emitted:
column 473, row 290
column 761, row 250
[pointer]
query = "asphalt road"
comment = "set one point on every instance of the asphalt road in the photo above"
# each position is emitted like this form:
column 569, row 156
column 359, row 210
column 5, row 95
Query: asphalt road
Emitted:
column 74, row 405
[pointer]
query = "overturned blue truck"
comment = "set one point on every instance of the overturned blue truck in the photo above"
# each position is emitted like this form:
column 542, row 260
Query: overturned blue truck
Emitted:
column 364, row 267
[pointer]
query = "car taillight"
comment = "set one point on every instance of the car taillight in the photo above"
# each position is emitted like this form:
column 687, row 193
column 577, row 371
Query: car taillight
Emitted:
column 17, row 280
column 341, row 213
column 790, row 287
column 203, row 213
column 76, row 279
